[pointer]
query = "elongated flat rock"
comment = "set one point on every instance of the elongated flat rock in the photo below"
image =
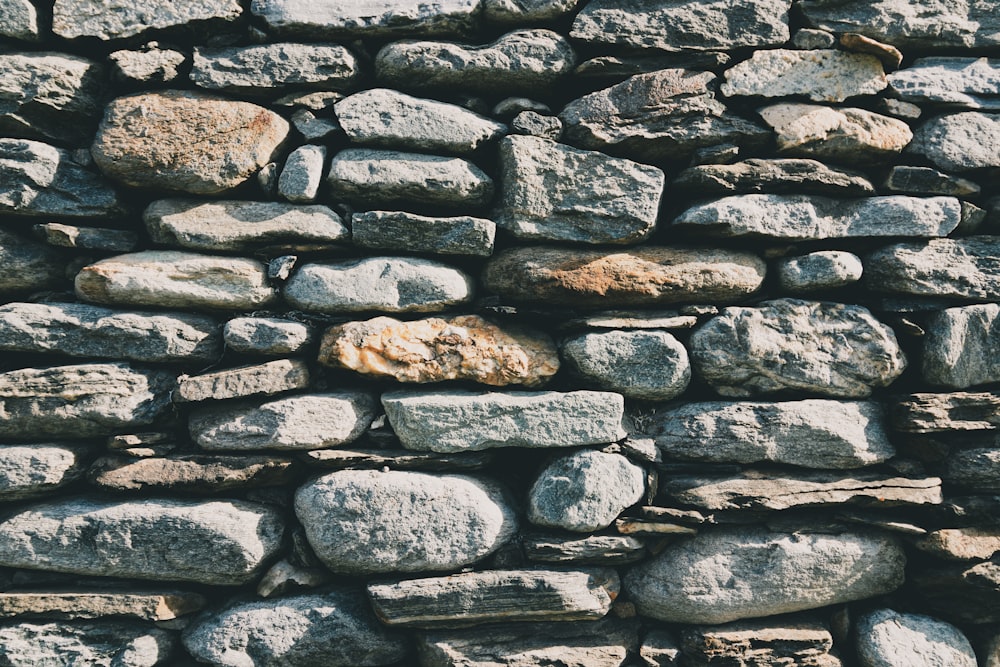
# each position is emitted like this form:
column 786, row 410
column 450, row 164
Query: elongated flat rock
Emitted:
column 456, row 421
column 124, row 644
column 964, row 268
column 959, row 141
column 272, row 377
column 840, row 134
column 264, row 68
column 781, row 176
column 87, row 238
column 778, row 573
column 647, row 365
column 212, row 542
column 958, row 411
column 961, row 543
column 822, row 75
column 977, row 469
column 960, row 347
column 191, row 473
column 583, row 549
column 268, row 336
column 120, row 18
column 496, row 595
column 399, row 230
column 969, row 83
column 29, row 471
column 343, row 18
column 397, row 459
column 146, row 606
column 798, row 642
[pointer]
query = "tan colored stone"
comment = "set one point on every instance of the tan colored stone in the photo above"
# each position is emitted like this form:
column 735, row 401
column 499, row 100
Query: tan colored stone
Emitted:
column 193, row 473
column 840, row 134
column 273, row 377
column 890, row 56
column 146, row 606
column 434, row 349
column 962, row 543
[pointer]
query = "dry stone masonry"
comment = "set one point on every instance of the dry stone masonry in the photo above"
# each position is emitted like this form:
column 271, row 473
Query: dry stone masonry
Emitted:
column 500, row 333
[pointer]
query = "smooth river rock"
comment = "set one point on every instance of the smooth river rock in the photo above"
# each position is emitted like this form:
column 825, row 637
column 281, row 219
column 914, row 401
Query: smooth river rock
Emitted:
column 29, row 471
column 839, row 134
column 265, row 68
column 402, row 231
column 778, row 176
column 960, row 347
column 959, row 141
column 646, row 365
column 117, row 19
column 119, row 644
column 887, row 638
column 969, row 83
column 964, row 268
column 822, row 75
column 351, row 18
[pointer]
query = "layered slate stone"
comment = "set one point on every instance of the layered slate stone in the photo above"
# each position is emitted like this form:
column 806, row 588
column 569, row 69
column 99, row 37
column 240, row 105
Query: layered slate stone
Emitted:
column 264, row 68
column 145, row 606
column 609, row 69
column 843, row 134
column 169, row 278
column 822, row 75
column 961, row 543
column 191, row 473
column 803, row 217
column 646, row 365
column 583, row 549
column 29, row 471
column 474, row 598
column 823, row 348
column 27, row 266
column 81, row 330
column 333, row 628
column 977, row 469
column 520, row 61
column 960, row 347
column 116, row 19
column 466, row 347
column 19, row 20
column 965, row 268
column 81, row 401
column 212, row 542
column 960, row 141
column 820, row 270
column 777, row 572
column 557, row 193
column 458, row 421
column 792, row 642
column 116, row 643
column 969, row 83
column 780, row 176
column 680, row 25
column 957, row 411
column 186, row 141
column 887, row 637
column 273, row 377
column 271, row 336
column 643, row 276
column 662, row 115
column 399, row 230
column 810, row 433
column 349, row 18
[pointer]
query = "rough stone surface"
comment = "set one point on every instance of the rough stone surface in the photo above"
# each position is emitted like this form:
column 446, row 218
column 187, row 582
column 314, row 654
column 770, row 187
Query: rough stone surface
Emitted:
column 269, row 336
column 847, row 135
column 466, row 347
column 887, row 638
column 975, row 469
column 28, row 471
column 781, row 176
column 958, row 411
column 146, row 66
column 210, row 542
column 646, row 365
column 583, row 549
column 265, row 379
column 816, row 347
column 961, row 543
column 607, row 70
column 520, row 12
column 455, row 421
column 19, row 20
column 759, row 643
column 87, row 238
column 190, row 473
column 824, row 269
column 341, row 18
column 890, row 56
column 927, row 181
column 26, row 266
column 398, row 230
column 969, row 83
column 118, row 644
column 960, row 348
column 960, row 268
column 157, row 606
column 302, row 174
column 959, row 141
column 751, row 572
column 822, row 75
column 535, row 124
column 264, row 68
column 116, row 19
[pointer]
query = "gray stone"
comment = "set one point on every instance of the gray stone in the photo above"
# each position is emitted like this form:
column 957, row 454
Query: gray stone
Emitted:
column 387, row 284
column 822, row 75
column 521, row 61
column 240, row 225
column 557, row 193
column 49, row 96
column 190, row 473
column 81, row 401
column 26, row 266
column 776, row 572
column 968, row 83
column 927, row 181
column 266, row 68
column 399, row 230
column 313, row 128
column 678, row 25
column 662, row 115
column 309, row 421
column 585, row 491
column 116, row 19
column 269, row 336
column 459, row 421
column 81, row 330
column 54, row 644
column 823, row 348
column 177, row 279
column 147, row 606
column 899, row 109
column 804, row 217
column 645, row 365
column 333, row 628
column 660, row 649
column 209, row 542
column 29, row 471
column 959, row 141
column 390, row 119
column 810, row 433
column 19, row 20
column 87, row 238
column 967, row 594
column 583, row 549
column 887, row 638
column 368, row 521
column 810, row 38
column 381, row 179
column 965, row 268
column 960, row 347
column 284, row 578
column 975, row 469
column 824, row 269
column 148, row 65
column 958, row 411
column 521, row 12
column 351, row 18
column 794, row 642
column 849, row 135
column 781, row 176
column 272, row 377
column 302, row 174
column 535, row 124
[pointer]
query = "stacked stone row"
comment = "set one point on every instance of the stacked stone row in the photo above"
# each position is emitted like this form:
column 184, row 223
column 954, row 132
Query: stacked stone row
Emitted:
column 499, row 332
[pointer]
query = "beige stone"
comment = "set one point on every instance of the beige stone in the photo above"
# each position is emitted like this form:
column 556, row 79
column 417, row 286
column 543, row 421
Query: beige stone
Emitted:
column 890, row 56
column 822, row 75
column 840, row 134
column 962, row 543
column 273, row 377
column 147, row 606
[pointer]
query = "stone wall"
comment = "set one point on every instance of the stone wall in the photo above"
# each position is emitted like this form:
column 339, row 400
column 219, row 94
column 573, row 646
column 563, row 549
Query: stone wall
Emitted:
column 500, row 333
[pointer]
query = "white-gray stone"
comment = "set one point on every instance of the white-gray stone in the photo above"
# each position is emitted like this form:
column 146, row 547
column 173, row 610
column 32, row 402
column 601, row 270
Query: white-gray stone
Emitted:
column 964, row 268
column 960, row 347
column 149, row 65
column 959, row 141
column 822, row 75
column 399, row 230
column 536, row 125
column 266, row 335
column 968, row 83
column 646, row 365
column 267, row 68
column 116, row 19
column 19, row 20
column 887, row 638
column 522, row 12
column 810, row 38
column 302, row 174
column 29, row 471
column 777, row 176
column 823, row 269
column 41, row 644
column 351, row 18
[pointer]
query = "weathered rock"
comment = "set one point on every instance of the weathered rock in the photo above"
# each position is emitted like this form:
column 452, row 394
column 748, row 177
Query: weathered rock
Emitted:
column 965, row 268
column 265, row 68
column 959, row 411
column 81, row 401
column 798, row 642
column 49, row 96
column 520, row 61
column 397, row 459
column 583, row 550
column 474, row 598
column 119, row 644
column 380, row 178
column 297, row 422
column 116, row 19
column 644, row 276
column 780, row 176
column 557, row 193
column 810, row 38
column 966, row 594
column 822, row 75
column 466, row 347
column 536, row 125
column 176, row 279
column 186, row 141
column 87, row 238
column 822, row 348
column 776, row 573
column 390, row 119
column 284, row 578
column 146, row 66
column 240, row 225
column 631, row 319
column 28, row 471
column 269, row 336
column 313, row 128
column 302, row 174
column 679, row 25
column 969, row 83
column 647, row 365
column 607, row 70
column 81, row 330
column 666, row 114
column 811, row 433
column 265, row 379
column 960, row 347
column 959, row 141
column 887, row 638
column 350, row 18
column 458, row 421
column 26, row 266
column 961, row 543
column 824, row 269
column 975, row 469
column 927, row 181
column 19, row 20
column 190, row 473
column 521, row 12
column 398, row 230
column 848, row 135
column 210, row 542
column 146, row 606
column 890, row 56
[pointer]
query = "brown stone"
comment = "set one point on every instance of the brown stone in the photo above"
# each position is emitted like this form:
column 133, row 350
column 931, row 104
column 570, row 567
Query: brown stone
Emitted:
column 962, row 543
column 146, row 606
column 890, row 56
column 194, row 473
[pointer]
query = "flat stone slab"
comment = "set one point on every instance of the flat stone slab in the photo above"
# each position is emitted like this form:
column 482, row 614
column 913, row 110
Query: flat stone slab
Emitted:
column 145, row 606
column 958, row 411
column 265, row 68
column 927, row 181
column 960, row 347
column 272, row 377
column 961, row 543
column 822, row 75
column 396, row 459
column 399, row 230
column 964, row 268
column 191, row 473
column 969, row 83
column 124, row 644
column 646, row 365
column 29, row 266
column 29, row 471
column 117, row 19
column 87, row 238
column 350, row 18
column 779, row 176
column 838, row 134
column 803, row 642
column 271, row 336
column 959, row 141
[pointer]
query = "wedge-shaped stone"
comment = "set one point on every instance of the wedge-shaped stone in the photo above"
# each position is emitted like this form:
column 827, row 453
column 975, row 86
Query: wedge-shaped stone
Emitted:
column 520, row 61
column 646, row 365
column 396, row 459
column 799, row 642
column 115, row 19
column 959, row 411
column 644, row 276
column 265, row 379
column 27, row 266
column 81, row 401
column 265, row 68
column 177, row 279
column 960, row 141
column 191, row 473
column 19, row 20
column 806, row 218
column 887, row 637
column 969, row 83
column 777, row 573
column 583, row 549
column 822, row 75
column 390, row 119
column 782, row 176
column 841, row 134
column 240, row 225
column 221, row 542
column 81, row 330
column 370, row 521
column 432, row 350
column 145, row 606
column 185, row 141
column 784, row 345
column 28, row 471
column 147, row 65
column 960, row 348
column 474, row 598
column 312, row 421
column 457, row 421
column 557, row 193
column 119, row 644
column 269, row 336
column 965, row 268
column 350, row 18
column 398, row 230
column 677, row 25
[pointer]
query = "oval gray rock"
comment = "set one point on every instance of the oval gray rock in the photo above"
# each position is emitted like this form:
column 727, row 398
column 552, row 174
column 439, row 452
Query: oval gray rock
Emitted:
column 28, row 471
column 959, row 141
column 646, row 365
column 960, row 346
column 887, row 638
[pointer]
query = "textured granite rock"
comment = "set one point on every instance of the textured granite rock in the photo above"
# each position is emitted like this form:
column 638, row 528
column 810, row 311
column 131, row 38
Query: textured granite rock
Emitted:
column 343, row 18
column 19, row 20
column 399, row 230
column 792, row 642
column 117, row 19
column 29, row 471
column 185, row 474
column 265, row 68
column 302, row 174
column 645, row 365
column 146, row 606
column 823, row 269
column 822, row 75
column 269, row 336
column 521, row 12
column 537, row 125
column 976, row 469
column 778, row 176
column 961, row 543
column 848, row 135
column 887, row 638
column 119, row 644
column 969, row 83
column 959, row 141
column 958, row 268
column 583, row 549
column 272, row 377
column 960, row 347
column 957, row 411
